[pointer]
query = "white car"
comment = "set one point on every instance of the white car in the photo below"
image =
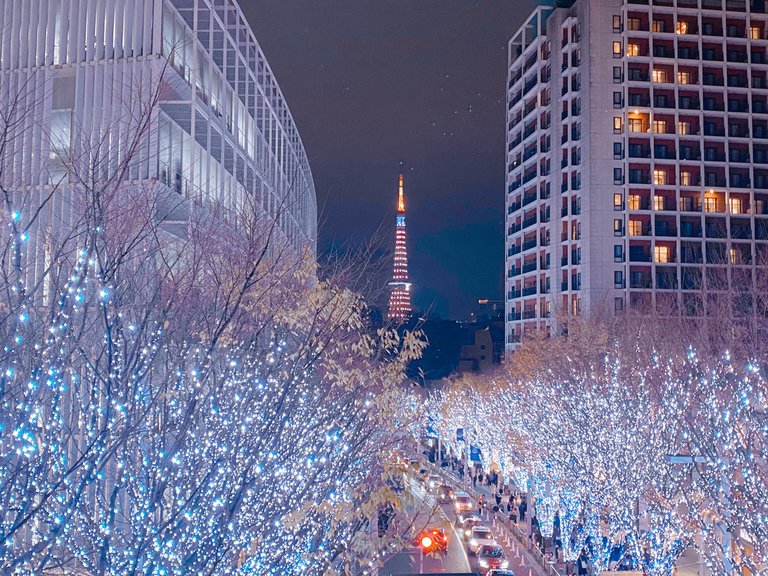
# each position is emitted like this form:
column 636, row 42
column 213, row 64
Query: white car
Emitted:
column 463, row 503
column 480, row 536
column 468, row 523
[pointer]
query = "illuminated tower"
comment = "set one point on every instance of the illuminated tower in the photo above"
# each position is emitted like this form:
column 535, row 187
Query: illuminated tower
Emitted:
column 400, row 287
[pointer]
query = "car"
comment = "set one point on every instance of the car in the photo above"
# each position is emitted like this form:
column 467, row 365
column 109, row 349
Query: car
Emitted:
column 444, row 493
column 431, row 483
column 463, row 503
column 479, row 537
column 468, row 523
column 437, row 538
column 500, row 572
column 491, row 557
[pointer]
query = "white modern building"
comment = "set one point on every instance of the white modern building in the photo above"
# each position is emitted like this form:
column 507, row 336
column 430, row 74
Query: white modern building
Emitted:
column 637, row 160
column 219, row 133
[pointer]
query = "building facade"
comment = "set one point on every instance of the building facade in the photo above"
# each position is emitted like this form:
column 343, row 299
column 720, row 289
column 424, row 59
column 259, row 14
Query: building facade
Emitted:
column 187, row 74
column 637, row 161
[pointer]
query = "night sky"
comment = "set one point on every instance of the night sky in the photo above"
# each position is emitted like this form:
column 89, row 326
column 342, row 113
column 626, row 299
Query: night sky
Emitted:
column 371, row 83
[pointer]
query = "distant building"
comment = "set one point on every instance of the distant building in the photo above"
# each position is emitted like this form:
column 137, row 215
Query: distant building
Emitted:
column 478, row 355
column 637, row 161
column 400, row 286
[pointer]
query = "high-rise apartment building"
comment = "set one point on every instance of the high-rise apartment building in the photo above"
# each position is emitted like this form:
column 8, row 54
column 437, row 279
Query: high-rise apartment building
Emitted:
column 219, row 133
column 637, row 160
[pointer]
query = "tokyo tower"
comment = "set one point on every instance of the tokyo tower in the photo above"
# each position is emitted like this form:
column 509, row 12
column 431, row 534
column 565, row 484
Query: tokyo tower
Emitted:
column 400, row 287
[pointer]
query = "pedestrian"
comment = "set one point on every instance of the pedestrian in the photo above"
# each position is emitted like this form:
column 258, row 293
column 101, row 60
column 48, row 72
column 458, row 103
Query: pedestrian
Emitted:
column 474, row 481
column 480, row 503
column 523, row 509
column 498, row 500
column 557, row 536
column 582, row 564
column 511, row 504
column 461, row 471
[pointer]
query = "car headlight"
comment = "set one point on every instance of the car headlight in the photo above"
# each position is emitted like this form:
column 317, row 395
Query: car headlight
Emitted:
column 467, row 533
column 483, row 564
column 504, row 564
column 473, row 542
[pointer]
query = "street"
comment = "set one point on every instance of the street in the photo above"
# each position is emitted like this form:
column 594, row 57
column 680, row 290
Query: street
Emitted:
column 457, row 559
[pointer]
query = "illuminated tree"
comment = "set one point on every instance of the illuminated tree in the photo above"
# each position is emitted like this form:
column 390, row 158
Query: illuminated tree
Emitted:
column 183, row 396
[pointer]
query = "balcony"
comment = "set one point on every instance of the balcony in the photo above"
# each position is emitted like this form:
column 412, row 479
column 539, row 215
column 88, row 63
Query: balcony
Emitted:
column 690, row 229
column 529, row 222
column 640, row 280
column 529, row 291
column 529, row 244
column 737, row 56
column 530, row 267
column 639, row 255
column 529, row 198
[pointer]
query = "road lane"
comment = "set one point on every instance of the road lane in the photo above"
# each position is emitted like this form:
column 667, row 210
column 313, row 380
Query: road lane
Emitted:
column 411, row 562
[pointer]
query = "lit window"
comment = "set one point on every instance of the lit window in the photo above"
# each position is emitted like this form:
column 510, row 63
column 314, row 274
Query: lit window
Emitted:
column 658, row 202
column 617, row 50
column 634, row 202
column 658, row 26
column 632, row 49
column 633, row 23
column 617, row 124
column 659, row 177
column 635, row 124
column 683, row 77
column 661, row 254
column 659, row 126
column 735, row 205
column 755, row 33
column 732, row 255
column 659, row 75
column 635, row 228
column 686, row 178
column 710, row 203
column 618, row 201
column 682, row 27
column 618, row 227
column 617, row 23
column 683, row 128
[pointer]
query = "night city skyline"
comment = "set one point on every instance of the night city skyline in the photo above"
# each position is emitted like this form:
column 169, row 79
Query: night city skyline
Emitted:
column 372, row 84
column 384, row 287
